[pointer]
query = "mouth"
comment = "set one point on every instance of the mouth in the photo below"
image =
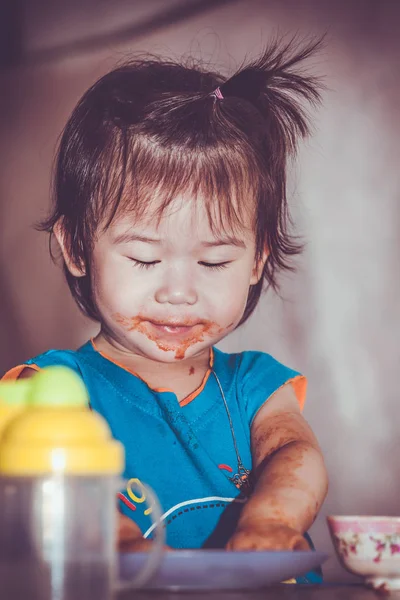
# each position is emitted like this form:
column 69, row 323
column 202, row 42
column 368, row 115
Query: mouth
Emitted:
column 174, row 328
column 171, row 335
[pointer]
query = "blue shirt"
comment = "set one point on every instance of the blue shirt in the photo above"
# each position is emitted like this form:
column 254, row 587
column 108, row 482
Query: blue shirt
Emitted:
column 184, row 450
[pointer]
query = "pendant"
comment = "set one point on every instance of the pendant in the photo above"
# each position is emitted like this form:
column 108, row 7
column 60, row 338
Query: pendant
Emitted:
column 242, row 480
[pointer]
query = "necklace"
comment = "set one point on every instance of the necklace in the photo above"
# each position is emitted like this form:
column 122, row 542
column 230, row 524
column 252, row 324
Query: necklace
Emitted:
column 242, row 478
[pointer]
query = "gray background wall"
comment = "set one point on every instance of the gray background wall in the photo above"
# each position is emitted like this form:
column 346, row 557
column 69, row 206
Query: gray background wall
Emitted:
column 339, row 318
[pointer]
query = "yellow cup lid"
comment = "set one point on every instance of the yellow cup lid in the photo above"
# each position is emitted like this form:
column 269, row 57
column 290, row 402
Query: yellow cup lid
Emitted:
column 52, row 428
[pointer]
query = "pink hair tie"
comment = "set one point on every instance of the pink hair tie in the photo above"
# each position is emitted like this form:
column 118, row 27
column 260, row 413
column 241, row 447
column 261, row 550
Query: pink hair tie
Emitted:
column 218, row 94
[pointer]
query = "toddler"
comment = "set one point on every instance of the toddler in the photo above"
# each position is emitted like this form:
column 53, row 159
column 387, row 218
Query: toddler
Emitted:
column 170, row 211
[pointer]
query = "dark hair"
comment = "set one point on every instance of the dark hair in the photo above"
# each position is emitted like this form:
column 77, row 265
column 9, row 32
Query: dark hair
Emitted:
column 153, row 125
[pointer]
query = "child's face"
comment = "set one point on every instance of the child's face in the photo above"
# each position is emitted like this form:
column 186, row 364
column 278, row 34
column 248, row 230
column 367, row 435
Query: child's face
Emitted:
column 168, row 291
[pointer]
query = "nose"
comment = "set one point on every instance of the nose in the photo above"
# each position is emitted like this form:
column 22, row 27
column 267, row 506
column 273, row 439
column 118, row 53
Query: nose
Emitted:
column 177, row 288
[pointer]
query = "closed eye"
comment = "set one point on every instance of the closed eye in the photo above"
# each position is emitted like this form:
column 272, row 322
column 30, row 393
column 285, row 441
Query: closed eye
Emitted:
column 141, row 264
column 215, row 266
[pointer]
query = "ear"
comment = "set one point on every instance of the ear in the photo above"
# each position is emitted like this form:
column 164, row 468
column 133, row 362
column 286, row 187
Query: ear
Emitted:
column 258, row 268
column 59, row 232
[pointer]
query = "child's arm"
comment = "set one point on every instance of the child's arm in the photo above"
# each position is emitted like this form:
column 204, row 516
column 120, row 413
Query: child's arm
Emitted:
column 129, row 537
column 291, row 479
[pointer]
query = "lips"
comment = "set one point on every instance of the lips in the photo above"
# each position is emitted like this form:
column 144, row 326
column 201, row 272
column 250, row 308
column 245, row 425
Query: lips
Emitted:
column 173, row 327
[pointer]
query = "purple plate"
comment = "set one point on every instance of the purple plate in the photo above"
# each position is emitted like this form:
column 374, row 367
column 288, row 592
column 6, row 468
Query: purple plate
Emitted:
column 218, row 569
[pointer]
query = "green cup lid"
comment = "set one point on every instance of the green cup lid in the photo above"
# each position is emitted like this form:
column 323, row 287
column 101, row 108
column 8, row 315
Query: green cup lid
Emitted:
column 51, row 387
column 57, row 386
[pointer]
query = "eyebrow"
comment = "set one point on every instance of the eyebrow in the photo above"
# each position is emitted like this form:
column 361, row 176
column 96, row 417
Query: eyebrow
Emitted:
column 228, row 241
column 130, row 236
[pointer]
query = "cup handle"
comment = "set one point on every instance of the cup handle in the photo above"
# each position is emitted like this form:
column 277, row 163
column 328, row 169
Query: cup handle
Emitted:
column 154, row 560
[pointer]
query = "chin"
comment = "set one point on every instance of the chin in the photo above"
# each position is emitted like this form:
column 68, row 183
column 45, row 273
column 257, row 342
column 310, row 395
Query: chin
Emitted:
column 174, row 354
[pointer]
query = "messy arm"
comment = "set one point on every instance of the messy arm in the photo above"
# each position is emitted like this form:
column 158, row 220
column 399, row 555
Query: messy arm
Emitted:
column 129, row 537
column 291, row 479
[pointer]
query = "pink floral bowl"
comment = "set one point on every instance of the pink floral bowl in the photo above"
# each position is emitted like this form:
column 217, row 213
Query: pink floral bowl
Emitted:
column 369, row 547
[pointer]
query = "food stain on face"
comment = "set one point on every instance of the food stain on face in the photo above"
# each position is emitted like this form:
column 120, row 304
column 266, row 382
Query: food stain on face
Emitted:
column 196, row 333
column 191, row 371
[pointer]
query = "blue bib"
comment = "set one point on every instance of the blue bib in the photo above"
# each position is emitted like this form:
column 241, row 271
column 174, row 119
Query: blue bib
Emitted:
column 186, row 451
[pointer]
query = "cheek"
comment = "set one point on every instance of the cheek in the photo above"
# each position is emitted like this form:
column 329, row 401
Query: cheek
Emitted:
column 233, row 309
column 112, row 285
column 229, row 294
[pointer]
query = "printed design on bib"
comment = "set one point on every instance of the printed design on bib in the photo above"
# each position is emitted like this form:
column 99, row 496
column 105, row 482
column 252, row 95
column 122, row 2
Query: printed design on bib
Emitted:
column 225, row 468
column 136, row 495
column 194, row 505
column 134, row 498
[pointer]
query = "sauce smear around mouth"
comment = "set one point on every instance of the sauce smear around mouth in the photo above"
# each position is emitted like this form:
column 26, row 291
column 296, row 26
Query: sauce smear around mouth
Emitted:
column 195, row 332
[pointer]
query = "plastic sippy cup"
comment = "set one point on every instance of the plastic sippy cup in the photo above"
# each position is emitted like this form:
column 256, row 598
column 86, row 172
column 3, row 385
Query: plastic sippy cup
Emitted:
column 59, row 473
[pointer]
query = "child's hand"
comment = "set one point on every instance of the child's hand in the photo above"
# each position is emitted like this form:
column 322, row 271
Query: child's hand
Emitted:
column 267, row 536
column 130, row 537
